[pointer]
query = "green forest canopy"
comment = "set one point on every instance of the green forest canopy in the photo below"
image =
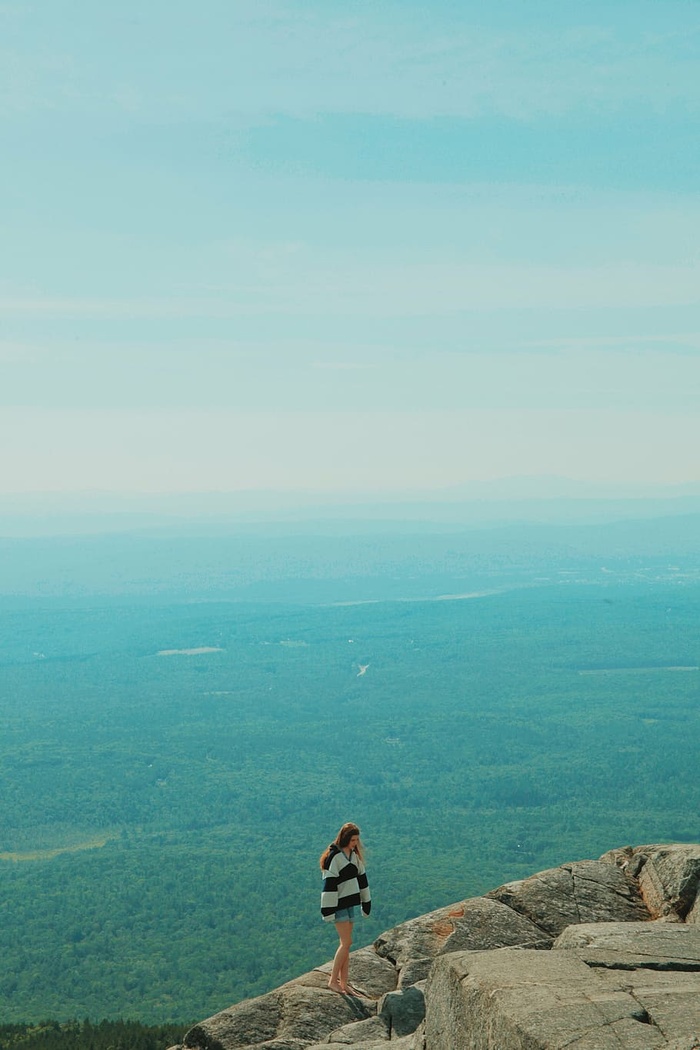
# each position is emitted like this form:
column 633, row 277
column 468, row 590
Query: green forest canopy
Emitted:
column 163, row 814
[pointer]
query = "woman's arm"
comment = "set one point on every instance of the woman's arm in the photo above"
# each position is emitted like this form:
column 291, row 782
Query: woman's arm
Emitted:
column 365, row 896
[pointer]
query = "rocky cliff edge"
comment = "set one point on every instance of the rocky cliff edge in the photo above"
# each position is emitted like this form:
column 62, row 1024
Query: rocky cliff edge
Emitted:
column 591, row 955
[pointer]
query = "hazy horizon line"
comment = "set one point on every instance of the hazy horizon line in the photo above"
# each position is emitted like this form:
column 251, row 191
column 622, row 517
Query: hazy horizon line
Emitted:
column 482, row 504
column 506, row 488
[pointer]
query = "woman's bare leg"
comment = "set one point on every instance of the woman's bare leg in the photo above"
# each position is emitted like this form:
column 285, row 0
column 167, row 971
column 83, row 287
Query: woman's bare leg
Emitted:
column 344, row 983
column 339, row 974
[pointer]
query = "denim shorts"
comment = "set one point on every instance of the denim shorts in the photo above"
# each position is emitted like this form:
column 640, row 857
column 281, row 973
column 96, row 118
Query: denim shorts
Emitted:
column 345, row 914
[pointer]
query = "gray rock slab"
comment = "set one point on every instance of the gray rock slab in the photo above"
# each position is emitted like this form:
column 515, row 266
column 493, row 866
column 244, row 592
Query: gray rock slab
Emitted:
column 668, row 874
column 374, row 1029
column 413, row 971
column 669, row 880
column 419, row 938
column 486, row 923
column 584, row 891
column 280, row 1044
column 512, row 999
column 251, row 1021
column 369, row 973
column 525, row 1000
column 658, row 941
column 403, row 1011
column 474, row 924
column 670, row 999
column 622, row 856
column 404, row 1043
column 308, row 1014
column 293, row 1012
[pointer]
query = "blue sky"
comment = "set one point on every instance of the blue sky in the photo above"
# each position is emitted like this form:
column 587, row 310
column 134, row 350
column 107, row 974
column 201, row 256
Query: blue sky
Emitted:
column 361, row 247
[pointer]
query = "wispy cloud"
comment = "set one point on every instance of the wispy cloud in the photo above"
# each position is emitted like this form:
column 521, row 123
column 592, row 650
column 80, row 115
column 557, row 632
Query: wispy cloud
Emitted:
column 13, row 352
column 304, row 60
column 408, row 290
column 74, row 307
column 429, row 63
column 679, row 342
column 344, row 366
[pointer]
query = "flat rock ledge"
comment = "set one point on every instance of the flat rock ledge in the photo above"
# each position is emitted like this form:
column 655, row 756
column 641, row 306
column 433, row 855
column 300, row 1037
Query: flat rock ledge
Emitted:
column 589, row 955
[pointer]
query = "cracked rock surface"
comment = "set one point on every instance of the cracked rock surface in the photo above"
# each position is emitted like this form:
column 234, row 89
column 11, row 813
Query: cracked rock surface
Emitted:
column 589, row 955
column 557, row 999
column 587, row 891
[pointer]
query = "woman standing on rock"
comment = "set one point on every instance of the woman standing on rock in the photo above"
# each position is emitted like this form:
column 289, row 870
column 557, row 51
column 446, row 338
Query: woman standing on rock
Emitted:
column 345, row 887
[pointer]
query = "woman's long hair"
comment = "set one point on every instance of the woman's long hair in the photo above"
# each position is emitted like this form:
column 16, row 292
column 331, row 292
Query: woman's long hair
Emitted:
column 341, row 840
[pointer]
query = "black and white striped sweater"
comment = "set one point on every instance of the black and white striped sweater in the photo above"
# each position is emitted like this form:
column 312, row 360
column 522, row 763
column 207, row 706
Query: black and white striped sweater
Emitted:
column 344, row 884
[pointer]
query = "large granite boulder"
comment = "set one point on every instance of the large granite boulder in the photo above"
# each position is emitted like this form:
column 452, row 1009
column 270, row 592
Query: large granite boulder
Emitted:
column 592, row 954
column 569, row 997
column 290, row 1017
column 586, row 891
column 668, row 876
column 656, row 945
column 477, row 923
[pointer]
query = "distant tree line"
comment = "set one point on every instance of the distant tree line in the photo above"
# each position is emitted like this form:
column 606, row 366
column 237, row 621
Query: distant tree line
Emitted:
column 85, row 1035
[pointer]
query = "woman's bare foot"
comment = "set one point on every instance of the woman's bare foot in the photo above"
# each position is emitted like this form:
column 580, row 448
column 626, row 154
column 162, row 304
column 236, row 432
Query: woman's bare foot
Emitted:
column 335, row 987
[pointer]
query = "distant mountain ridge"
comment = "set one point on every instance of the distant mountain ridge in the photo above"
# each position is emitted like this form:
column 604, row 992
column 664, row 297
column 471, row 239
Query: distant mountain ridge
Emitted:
column 488, row 502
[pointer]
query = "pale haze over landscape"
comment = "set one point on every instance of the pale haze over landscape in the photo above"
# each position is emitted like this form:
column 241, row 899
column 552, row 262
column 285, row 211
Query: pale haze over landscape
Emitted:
column 348, row 249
